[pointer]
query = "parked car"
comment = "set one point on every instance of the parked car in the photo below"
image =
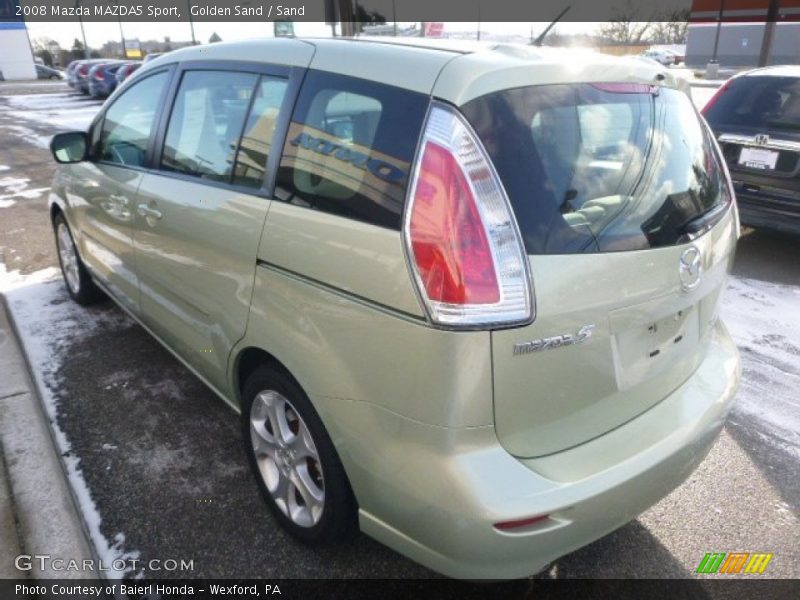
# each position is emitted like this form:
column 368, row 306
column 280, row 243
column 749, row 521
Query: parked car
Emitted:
column 756, row 118
column 126, row 70
column 82, row 73
column 152, row 56
column 102, row 79
column 660, row 55
column 43, row 72
column 71, row 75
column 466, row 301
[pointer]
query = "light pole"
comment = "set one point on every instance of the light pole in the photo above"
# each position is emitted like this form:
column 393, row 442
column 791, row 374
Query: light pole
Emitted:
column 83, row 32
column 478, row 3
column 121, row 35
column 712, row 68
column 191, row 21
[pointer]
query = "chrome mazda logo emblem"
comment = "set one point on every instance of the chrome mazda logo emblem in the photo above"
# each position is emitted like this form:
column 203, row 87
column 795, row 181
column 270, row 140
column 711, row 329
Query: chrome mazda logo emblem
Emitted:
column 690, row 268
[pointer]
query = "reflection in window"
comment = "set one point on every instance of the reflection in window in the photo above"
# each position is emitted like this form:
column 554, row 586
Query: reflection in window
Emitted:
column 600, row 167
column 349, row 148
column 206, row 122
column 258, row 132
column 127, row 124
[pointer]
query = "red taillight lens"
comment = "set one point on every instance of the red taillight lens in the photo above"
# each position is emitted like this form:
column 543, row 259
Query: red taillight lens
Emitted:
column 99, row 75
column 464, row 246
column 448, row 238
column 520, row 523
column 716, row 96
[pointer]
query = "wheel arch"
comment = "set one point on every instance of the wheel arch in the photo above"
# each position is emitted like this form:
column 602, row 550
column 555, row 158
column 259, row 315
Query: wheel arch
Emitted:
column 246, row 361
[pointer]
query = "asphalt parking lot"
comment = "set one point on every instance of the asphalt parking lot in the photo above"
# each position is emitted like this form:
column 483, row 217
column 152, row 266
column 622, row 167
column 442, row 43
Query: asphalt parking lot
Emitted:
column 160, row 456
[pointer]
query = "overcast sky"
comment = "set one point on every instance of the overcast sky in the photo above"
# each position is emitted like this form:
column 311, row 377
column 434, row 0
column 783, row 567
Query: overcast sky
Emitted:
column 99, row 33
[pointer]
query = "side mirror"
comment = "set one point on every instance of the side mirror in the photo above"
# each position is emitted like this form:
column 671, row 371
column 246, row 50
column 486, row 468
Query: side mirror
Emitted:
column 69, row 147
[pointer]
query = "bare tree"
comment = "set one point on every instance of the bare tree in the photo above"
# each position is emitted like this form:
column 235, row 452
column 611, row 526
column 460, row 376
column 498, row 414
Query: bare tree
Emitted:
column 672, row 27
column 630, row 24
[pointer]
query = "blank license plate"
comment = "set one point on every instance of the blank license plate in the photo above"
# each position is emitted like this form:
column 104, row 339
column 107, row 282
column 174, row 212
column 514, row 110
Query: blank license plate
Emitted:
column 757, row 158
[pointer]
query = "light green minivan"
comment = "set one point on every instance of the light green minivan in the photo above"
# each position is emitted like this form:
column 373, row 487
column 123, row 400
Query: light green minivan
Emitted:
column 465, row 297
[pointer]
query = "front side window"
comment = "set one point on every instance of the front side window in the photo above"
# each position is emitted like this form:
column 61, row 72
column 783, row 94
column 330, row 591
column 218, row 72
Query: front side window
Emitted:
column 350, row 147
column 127, row 124
column 600, row 167
column 206, row 123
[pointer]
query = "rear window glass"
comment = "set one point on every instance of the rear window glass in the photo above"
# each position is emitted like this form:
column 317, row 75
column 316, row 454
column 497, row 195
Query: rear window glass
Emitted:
column 350, row 147
column 600, row 168
column 758, row 102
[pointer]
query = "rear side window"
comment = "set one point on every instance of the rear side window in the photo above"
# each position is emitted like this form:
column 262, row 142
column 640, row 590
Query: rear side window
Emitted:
column 350, row 147
column 206, row 123
column 125, row 130
column 760, row 102
column 600, row 167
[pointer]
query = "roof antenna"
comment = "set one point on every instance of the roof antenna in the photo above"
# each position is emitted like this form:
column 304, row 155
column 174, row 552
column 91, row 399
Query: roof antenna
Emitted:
column 540, row 39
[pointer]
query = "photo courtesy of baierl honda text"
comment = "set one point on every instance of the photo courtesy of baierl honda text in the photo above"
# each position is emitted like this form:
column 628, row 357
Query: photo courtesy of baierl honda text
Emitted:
column 382, row 298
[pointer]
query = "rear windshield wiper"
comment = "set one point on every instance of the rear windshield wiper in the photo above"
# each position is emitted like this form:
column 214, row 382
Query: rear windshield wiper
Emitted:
column 704, row 220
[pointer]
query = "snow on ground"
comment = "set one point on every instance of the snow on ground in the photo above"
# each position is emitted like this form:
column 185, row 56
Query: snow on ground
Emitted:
column 29, row 135
column 47, row 321
column 16, row 188
column 67, row 111
column 764, row 320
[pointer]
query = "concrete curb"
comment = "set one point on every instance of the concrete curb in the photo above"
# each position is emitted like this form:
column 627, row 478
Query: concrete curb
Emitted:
column 44, row 511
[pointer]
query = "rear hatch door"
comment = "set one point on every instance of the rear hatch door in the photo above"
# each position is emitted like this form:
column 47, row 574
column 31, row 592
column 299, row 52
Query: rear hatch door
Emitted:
column 625, row 211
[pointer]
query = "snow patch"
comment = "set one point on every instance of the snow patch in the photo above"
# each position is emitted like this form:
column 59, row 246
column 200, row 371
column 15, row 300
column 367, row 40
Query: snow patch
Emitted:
column 29, row 135
column 48, row 322
column 764, row 321
column 16, row 188
column 61, row 111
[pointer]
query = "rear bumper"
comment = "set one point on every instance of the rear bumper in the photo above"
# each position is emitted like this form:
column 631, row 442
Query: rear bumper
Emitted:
column 439, row 507
column 769, row 211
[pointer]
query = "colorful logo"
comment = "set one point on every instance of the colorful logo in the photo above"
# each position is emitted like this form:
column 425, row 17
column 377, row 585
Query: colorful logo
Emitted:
column 719, row 562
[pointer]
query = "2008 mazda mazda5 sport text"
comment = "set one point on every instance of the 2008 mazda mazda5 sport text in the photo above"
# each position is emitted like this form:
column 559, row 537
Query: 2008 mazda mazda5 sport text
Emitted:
column 465, row 298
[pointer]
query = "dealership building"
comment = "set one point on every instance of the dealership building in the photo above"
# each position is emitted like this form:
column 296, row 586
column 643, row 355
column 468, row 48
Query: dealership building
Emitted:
column 16, row 56
column 746, row 33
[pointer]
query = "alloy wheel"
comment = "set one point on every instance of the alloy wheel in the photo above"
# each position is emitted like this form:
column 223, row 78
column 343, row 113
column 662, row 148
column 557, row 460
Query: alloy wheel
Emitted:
column 287, row 458
column 69, row 258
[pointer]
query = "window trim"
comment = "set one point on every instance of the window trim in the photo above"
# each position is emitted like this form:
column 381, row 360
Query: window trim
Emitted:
column 294, row 77
column 101, row 118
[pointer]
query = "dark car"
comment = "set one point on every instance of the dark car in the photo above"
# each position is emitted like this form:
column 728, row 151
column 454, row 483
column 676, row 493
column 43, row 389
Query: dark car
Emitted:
column 126, row 70
column 756, row 119
column 43, row 72
column 102, row 79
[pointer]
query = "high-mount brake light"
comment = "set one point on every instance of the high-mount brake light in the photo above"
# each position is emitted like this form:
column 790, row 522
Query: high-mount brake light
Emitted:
column 462, row 239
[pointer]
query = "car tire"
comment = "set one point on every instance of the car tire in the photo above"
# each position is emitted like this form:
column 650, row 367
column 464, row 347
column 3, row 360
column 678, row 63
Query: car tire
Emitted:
column 80, row 286
column 304, row 484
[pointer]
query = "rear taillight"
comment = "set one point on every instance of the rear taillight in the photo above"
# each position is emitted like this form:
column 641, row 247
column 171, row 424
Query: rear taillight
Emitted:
column 99, row 75
column 463, row 243
column 716, row 96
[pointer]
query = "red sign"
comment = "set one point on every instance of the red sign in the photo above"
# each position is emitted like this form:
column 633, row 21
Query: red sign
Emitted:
column 434, row 29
